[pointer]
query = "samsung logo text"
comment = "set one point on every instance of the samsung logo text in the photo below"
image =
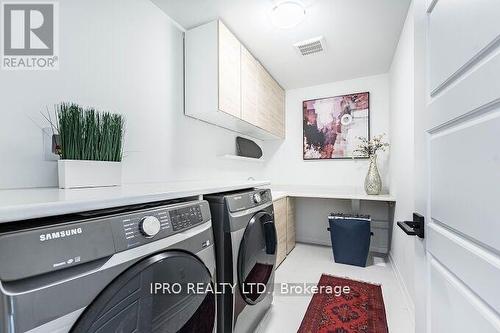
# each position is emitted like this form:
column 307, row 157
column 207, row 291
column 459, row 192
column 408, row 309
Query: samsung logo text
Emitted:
column 60, row 234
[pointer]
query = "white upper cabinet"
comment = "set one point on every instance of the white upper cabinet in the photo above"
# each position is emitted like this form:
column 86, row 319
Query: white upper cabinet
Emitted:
column 228, row 87
column 229, row 72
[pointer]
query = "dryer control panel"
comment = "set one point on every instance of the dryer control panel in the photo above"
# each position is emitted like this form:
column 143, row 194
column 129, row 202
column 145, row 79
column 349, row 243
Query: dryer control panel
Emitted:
column 249, row 199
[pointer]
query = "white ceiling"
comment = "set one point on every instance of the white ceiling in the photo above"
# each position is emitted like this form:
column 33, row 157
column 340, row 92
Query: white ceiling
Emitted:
column 361, row 35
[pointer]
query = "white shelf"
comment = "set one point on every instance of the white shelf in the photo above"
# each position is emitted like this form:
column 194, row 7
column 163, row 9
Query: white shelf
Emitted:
column 242, row 158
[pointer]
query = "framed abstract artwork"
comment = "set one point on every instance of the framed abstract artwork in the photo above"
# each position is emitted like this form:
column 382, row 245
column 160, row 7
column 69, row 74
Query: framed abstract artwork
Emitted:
column 332, row 125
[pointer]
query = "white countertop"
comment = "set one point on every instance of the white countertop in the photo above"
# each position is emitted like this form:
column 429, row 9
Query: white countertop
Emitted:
column 326, row 192
column 22, row 204
column 278, row 194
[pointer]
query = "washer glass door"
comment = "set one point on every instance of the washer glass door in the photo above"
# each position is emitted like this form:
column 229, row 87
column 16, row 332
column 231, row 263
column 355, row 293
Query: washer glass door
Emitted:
column 154, row 296
column 257, row 258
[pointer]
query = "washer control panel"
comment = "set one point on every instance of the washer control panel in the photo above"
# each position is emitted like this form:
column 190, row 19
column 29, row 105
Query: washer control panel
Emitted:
column 44, row 249
column 138, row 228
column 185, row 217
column 150, row 226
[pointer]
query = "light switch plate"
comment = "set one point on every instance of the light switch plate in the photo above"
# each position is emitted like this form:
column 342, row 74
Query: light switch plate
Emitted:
column 47, row 145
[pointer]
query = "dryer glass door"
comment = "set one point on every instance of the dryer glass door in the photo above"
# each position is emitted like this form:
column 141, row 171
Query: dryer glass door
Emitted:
column 154, row 296
column 257, row 258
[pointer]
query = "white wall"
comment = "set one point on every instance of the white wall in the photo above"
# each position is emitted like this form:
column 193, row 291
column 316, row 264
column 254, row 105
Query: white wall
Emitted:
column 123, row 56
column 401, row 78
column 286, row 165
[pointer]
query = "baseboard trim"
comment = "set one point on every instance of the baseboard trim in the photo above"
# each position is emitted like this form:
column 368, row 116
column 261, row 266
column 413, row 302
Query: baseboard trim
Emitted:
column 313, row 241
column 373, row 249
column 402, row 285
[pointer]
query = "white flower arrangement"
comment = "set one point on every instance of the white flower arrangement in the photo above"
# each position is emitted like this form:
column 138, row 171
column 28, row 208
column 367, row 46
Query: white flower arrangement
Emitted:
column 369, row 148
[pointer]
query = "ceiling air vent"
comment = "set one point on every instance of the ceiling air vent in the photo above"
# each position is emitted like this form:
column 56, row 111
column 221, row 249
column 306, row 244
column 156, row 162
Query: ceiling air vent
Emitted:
column 311, row 46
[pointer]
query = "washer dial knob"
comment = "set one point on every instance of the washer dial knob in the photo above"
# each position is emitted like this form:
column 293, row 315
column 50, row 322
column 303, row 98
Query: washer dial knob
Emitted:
column 149, row 226
column 257, row 198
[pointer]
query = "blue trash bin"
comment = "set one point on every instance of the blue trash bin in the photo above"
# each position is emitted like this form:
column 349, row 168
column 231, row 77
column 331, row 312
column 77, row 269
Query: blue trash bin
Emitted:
column 350, row 235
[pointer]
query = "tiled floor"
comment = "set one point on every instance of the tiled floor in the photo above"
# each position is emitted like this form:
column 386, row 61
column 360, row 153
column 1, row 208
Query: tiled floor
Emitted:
column 306, row 263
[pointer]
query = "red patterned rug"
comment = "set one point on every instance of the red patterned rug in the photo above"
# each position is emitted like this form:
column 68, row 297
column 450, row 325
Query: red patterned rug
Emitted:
column 359, row 311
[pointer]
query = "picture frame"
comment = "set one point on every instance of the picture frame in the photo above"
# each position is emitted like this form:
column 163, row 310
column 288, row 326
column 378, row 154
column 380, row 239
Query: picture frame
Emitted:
column 331, row 126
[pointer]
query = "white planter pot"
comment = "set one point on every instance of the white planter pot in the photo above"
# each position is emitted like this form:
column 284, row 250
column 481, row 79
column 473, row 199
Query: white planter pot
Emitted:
column 77, row 173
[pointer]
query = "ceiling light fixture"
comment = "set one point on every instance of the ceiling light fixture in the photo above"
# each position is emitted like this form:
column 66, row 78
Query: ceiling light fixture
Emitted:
column 288, row 13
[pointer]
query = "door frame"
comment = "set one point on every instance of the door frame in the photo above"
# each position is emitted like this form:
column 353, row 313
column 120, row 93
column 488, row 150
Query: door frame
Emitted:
column 421, row 189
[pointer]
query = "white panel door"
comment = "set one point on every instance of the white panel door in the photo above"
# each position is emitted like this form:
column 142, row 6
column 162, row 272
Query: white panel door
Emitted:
column 459, row 140
column 460, row 31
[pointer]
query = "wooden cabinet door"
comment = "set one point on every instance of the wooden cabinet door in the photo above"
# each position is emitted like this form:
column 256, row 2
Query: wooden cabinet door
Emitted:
column 278, row 110
column 270, row 103
column 229, row 72
column 280, row 214
column 249, row 88
column 290, row 224
column 264, row 99
column 276, row 116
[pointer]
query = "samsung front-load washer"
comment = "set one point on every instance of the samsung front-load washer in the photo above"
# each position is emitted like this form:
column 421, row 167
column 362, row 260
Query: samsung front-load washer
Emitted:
column 141, row 269
column 245, row 241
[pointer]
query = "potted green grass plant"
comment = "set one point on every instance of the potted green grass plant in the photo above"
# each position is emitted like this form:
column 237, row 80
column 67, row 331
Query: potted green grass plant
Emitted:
column 89, row 145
